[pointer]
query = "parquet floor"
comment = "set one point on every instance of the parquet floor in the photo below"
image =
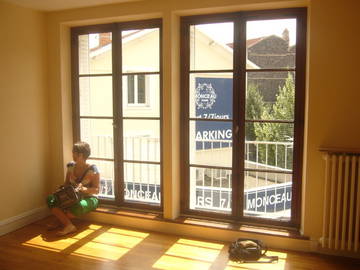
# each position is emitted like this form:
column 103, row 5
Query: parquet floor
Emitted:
column 99, row 246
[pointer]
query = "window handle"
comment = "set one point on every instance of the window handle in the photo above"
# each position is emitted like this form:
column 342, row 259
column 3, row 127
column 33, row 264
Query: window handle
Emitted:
column 236, row 130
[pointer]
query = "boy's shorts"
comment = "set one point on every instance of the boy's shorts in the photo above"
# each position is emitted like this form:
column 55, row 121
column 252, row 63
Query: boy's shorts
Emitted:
column 84, row 206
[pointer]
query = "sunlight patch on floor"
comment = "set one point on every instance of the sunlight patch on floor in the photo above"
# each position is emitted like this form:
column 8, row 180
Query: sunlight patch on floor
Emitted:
column 190, row 255
column 56, row 246
column 100, row 251
column 110, row 245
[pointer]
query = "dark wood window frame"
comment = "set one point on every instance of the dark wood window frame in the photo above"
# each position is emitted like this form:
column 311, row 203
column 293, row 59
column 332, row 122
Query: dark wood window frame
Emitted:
column 118, row 118
column 239, row 89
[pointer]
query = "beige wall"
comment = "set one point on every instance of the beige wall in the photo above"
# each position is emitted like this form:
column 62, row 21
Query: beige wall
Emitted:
column 333, row 95
column 333, row 90
column 24, row 140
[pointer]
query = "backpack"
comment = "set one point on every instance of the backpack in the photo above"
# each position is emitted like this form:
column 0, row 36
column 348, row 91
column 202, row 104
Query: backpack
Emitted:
column 249, row 250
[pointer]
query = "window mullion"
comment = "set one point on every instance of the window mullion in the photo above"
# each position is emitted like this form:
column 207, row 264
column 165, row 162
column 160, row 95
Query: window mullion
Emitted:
column 239, row 115
column 117, row 110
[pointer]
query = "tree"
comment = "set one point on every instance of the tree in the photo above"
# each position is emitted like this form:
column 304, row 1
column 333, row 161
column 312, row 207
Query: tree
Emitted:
column 283, row 109
column 254, row 109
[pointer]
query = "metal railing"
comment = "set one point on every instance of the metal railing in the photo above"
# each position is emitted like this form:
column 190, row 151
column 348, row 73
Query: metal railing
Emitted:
column 210, row 187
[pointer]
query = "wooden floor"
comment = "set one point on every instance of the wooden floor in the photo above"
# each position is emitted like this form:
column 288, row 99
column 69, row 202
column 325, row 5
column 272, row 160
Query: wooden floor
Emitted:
column 98, row 246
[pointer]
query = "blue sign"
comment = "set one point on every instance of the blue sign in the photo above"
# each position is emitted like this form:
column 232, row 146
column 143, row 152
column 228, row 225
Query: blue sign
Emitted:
column 273, row 198
column 213, row 100
column 269, row 199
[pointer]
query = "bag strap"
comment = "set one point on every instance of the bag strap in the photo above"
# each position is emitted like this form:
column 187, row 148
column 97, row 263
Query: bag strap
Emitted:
column 85, row 172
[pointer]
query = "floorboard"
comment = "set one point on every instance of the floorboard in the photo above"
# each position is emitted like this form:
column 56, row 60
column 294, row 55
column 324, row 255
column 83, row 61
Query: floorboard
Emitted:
column 98, row 246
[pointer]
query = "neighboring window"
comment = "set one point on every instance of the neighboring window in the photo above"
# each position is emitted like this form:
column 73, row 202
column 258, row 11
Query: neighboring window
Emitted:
column 125, row 140
column 136, row 90
column 243, row 109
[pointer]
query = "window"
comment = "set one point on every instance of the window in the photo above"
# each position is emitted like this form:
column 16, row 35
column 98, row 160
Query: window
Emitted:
column 136, row 90
column 114, row 66
column 243, row 77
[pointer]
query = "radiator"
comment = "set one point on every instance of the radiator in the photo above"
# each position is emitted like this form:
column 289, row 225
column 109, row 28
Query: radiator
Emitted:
column 341, row 218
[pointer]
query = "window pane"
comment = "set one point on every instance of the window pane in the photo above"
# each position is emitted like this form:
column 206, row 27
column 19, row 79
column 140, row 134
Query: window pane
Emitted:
column 95, row 54
column 130, row 89
column 210, row 143
column 270, row 96
column 210, row 189
column 141, row 89
column 106, row 170
column 142, row 140
column 95, row 96
column 141, row 50
column 99, row 134
column 211, row 95
column 211, row 46
column 268, row 195
column 269, row 146
column 144, row 92
column 142, row 182
column 271, row 43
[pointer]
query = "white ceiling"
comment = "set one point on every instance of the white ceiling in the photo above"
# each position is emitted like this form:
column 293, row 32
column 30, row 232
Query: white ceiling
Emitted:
column 52, row 5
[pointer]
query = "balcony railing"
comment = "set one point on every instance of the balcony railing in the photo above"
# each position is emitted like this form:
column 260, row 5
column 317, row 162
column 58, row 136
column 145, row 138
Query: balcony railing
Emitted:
column 210, row 188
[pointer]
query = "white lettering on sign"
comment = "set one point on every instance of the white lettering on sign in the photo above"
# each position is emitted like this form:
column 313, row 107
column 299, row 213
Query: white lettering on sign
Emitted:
column 214, row 134
column 141, row 195
column 208, row 202
column 268, row 200
column 214, row 116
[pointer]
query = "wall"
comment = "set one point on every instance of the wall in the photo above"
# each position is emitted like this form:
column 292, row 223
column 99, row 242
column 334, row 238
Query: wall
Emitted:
column 24, row 140
column 332, row 87
column 333, row 95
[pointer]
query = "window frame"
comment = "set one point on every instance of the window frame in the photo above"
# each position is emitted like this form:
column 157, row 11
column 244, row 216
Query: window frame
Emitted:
column 239, row 83
column 117, row 95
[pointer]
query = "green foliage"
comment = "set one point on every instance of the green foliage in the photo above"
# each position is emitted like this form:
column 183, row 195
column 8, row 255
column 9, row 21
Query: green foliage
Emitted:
column 283, row 109
column 255, row 107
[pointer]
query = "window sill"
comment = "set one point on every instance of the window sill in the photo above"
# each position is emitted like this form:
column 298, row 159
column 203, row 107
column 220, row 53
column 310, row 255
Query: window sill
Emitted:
column 227, row 226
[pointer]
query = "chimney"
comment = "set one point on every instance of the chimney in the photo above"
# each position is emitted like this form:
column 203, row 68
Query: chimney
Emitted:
column 285, row 35
column 104, row 39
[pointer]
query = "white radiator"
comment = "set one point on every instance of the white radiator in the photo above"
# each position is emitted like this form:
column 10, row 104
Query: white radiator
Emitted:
column 341, row 220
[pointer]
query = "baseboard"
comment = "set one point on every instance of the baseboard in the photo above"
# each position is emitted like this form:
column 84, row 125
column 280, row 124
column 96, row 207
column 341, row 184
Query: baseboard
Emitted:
column 25, row 218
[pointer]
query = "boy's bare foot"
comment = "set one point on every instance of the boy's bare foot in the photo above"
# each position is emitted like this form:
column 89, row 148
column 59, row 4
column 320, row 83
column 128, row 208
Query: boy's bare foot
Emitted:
column 67, row 229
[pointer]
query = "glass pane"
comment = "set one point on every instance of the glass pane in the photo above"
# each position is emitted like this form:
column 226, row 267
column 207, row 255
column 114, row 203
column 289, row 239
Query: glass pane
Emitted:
column 210, row 189
column 269, row 146
column 141, row 50
column 95, row 96
column 270, row 96
column 271, row 43
column 142, row 182
column 142, row 140
column 106, row 170
column 130, row 89
column 95, row 54
column 99, row 134
column 268, row 195
column 210, row 143
column 211, row 46
column 141, row 96
column 211, row 95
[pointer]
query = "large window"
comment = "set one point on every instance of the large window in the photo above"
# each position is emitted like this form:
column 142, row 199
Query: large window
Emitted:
column 117, row 108
column 242, row 115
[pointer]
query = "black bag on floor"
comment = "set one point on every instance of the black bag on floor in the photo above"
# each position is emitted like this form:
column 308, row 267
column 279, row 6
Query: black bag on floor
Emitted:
column 249, row 250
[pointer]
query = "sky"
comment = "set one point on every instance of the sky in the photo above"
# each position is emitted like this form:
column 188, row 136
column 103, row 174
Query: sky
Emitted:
column 223, row 32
